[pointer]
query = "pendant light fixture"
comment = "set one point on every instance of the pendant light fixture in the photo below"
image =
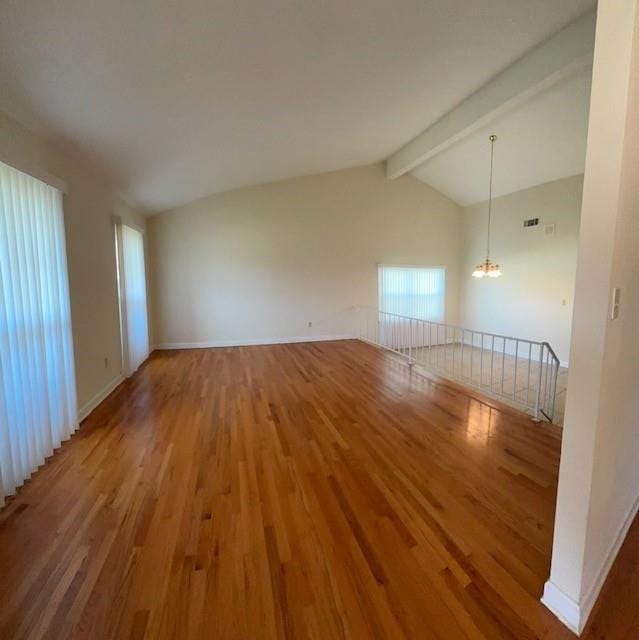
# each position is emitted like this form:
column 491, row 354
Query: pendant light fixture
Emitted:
column 487, row 267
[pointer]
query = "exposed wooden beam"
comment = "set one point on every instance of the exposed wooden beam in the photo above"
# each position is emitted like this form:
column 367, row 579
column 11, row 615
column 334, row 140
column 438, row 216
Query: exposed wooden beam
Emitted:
column 558, row 57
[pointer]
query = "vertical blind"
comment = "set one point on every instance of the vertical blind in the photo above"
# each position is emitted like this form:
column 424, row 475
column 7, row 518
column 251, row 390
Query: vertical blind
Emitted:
column 133, row 296
column 416, row 292
column 37, row 380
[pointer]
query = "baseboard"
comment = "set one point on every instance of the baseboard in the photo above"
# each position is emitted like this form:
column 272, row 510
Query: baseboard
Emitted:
column 564, row 607
column 591, row 596
column 575, row 615
column 248, row 343
column 88, row 407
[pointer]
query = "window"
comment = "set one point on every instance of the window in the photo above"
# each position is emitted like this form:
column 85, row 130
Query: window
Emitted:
column 415, row 292
column 37, row 379
column 132, row 290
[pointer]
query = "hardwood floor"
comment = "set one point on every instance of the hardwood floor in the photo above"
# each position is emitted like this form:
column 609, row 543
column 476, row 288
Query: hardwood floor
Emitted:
column 313, row 490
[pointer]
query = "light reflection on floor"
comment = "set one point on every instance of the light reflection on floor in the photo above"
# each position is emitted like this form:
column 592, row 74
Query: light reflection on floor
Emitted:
column 480, row 423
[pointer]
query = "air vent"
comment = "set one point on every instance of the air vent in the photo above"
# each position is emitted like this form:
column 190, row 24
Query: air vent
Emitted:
column 531, row 223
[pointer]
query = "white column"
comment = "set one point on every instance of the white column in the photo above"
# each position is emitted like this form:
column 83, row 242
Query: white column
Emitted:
column 599, row 471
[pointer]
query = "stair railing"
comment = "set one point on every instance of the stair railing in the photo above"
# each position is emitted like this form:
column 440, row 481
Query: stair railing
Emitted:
column 523, row 372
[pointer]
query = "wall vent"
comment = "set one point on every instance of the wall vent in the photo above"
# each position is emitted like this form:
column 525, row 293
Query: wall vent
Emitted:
column 531, row 223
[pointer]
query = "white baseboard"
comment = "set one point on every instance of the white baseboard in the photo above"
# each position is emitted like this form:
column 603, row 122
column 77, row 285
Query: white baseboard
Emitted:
column 88, row 407
column 250, row 342
column 575, row 614
column 592, row 594
column 564, row 607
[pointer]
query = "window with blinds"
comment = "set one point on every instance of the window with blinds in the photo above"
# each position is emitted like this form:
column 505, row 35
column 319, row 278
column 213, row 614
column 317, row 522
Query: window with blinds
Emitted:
column 37, row 379
column 415, row 292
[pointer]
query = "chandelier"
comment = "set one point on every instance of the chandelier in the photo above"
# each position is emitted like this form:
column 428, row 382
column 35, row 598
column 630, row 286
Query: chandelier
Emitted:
column 488, row 268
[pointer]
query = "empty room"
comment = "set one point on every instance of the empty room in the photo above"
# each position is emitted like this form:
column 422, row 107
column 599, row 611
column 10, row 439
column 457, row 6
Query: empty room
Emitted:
column 318, row 320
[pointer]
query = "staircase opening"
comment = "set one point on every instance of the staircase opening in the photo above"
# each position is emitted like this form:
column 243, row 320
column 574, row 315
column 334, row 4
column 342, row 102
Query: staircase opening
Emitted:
column 523, row 373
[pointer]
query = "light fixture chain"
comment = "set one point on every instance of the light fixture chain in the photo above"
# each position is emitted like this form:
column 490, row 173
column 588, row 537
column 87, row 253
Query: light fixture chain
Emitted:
column 490, row 192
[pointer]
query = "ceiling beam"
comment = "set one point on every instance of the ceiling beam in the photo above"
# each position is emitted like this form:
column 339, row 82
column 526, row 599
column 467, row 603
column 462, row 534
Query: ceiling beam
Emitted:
column 558, row 57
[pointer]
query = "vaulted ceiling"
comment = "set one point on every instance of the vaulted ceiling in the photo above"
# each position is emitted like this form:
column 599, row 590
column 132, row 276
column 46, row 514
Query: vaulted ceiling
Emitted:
column 176, row 99
column 543, row 139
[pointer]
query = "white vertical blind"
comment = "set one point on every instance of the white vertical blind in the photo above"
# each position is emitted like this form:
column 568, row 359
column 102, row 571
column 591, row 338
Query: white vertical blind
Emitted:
column 416, row 292
column 38, row 407
column 133, row 295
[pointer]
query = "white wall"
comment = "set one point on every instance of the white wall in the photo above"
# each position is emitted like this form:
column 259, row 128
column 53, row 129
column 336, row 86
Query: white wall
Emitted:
column 88, row 207
column 259, row 263
column 534, row 297
column 598, row 491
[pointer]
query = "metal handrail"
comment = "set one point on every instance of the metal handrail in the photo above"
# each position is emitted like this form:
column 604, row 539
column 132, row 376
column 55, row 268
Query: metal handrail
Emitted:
column 456, row 326
column 413, row 338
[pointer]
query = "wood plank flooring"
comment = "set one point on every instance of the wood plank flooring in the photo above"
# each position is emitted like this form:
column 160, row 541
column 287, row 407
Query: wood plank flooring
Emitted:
column 313, row 490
